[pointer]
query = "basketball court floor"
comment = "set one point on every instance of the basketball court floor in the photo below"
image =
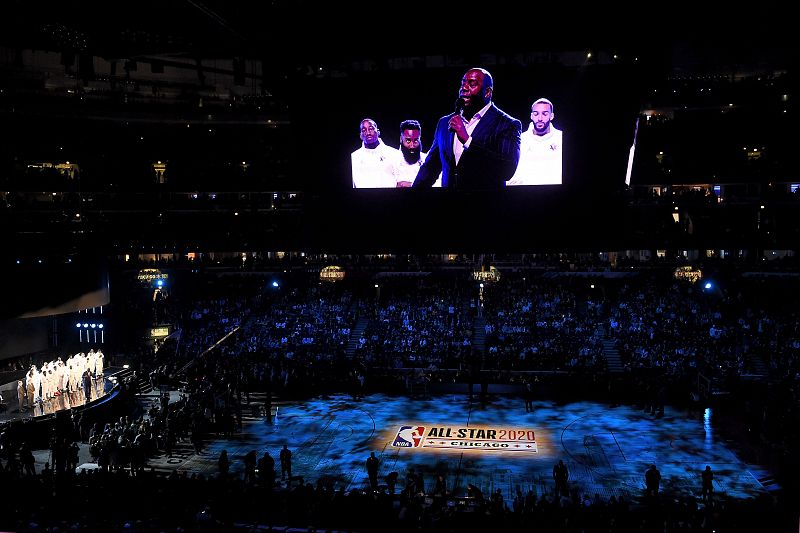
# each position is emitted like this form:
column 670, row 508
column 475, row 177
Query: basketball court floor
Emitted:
column 492, row 446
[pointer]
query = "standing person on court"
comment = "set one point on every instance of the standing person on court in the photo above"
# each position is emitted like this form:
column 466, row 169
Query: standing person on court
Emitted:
column 286, row 464
column 249, row 467
column 708, row 483
column 223, row 464
column 652, row 481
column 266, row 471
column 528, row 396
column 372, row 471
column 561, row 476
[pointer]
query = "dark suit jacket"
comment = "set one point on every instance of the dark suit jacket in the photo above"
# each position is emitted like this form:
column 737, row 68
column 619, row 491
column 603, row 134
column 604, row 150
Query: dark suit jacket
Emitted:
column 488, row 163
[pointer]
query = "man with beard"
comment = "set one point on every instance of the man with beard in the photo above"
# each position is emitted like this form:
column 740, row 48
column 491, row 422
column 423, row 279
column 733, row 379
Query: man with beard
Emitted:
column 411, row 157
column 542, row 149
column 477, row 146
column 371, row 164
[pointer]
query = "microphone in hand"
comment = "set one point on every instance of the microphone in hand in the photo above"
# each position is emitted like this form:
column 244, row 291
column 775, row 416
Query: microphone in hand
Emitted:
column 459, row 105
column 457, row 120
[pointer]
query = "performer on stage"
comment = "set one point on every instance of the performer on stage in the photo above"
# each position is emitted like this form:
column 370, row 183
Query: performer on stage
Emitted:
column 64, row 377
column 87, row 385
column 21, row 394
column 37, row 383
column 30, row 387
column 99, row 363
column 74, row 376
column 42, row 388
column 47, row 382
column 90, row 361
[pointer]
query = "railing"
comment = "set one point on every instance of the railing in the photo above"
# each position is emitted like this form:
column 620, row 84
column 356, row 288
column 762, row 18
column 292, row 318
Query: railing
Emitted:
column 194, row 361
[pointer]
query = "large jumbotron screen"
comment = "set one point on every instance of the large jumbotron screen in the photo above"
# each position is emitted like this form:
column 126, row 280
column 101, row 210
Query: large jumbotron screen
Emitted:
column 373, row 128
column 595, row 102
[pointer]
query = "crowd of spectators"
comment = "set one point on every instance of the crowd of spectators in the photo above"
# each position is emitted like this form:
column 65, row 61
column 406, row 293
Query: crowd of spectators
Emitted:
column 304, row 333
column 116, row 500
column 417, row 323
column 242, row 335
column 543, row 326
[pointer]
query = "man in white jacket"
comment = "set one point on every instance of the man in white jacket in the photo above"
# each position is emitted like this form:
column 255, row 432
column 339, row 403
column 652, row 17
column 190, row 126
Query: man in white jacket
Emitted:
column 371, row 164
column 541, row 149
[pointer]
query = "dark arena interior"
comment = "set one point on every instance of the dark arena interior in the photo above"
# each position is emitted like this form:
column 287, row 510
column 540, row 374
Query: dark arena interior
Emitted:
column 297, row 267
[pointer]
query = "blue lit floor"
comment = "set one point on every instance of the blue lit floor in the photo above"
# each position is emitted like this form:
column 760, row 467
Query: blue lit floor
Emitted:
column 607, row 450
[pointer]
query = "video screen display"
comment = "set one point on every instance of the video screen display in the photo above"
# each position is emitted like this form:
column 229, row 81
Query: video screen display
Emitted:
column 507, row 152
column 494, row 128
column 549, row 123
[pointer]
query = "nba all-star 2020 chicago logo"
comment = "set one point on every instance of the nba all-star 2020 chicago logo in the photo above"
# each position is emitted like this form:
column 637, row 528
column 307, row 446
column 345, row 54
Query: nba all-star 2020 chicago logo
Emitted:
column 409, row 436
column 460, row 438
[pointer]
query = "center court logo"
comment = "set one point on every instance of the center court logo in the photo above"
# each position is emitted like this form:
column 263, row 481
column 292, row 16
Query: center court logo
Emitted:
column 409, row 437
column 477, row 438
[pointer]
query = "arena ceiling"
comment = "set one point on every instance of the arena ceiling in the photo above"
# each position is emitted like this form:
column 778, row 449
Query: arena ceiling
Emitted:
column 304, row 30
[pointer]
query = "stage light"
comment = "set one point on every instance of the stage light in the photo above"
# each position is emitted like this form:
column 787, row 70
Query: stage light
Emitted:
column 708, row 285
column 100, row 326
column 126, row 366
column 159, row 282
column 78, row 325
column 85, row 325
column 275, row 284
column 92, row 326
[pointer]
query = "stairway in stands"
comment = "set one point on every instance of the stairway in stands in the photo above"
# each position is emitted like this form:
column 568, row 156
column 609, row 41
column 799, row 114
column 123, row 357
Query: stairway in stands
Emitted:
column 255, row 409
column 611, row 354
column 142, row 385
column 418, row 388
column 355, row 334
column 758, row 365
column 120, row 374
column 479, row 335
column 764, row 478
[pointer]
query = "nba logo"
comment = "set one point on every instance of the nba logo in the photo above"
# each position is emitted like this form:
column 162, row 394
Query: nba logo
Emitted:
column 409, row 437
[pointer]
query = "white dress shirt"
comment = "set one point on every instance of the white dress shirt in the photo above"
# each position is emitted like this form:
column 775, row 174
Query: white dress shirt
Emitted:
column 471, row 124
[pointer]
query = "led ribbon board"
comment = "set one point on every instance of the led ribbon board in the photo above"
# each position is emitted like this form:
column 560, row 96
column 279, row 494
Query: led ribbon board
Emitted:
column 476, row 438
